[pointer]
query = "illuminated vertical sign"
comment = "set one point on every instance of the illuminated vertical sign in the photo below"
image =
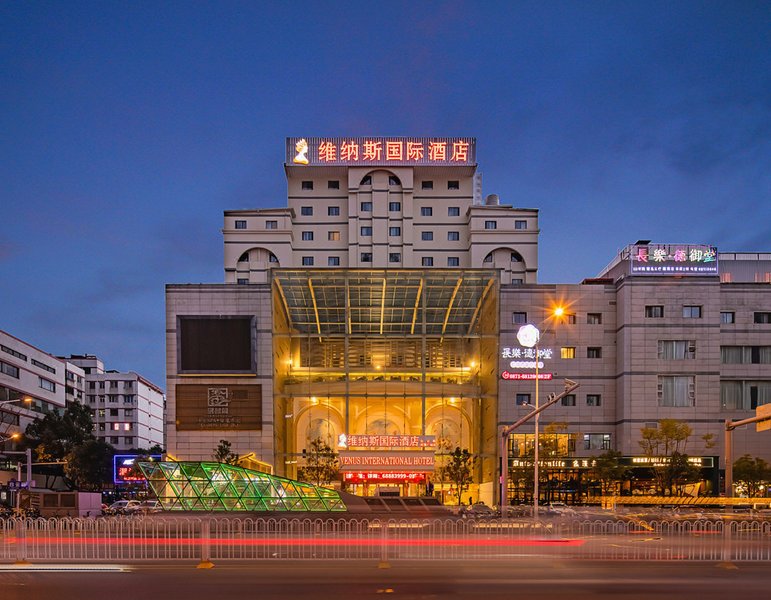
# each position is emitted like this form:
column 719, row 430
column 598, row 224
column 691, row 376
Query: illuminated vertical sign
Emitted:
column 381, row 151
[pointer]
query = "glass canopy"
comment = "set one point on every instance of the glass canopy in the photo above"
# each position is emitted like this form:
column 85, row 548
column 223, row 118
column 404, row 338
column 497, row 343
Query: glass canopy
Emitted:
column 222, row 487
column 402, row 302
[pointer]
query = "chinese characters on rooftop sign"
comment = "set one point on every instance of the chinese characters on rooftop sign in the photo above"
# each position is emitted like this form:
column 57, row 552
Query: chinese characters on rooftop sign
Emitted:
column 381, row 151
column 673, row 259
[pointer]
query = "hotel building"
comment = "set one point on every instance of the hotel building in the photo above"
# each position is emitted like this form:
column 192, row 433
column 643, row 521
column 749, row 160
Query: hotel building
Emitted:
column 378, row 312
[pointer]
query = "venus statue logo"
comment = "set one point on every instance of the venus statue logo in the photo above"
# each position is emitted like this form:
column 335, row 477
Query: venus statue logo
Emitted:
column 301, row 147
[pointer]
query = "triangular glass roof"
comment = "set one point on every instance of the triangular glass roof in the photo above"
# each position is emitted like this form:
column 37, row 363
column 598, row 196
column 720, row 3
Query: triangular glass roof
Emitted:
column 215, row 486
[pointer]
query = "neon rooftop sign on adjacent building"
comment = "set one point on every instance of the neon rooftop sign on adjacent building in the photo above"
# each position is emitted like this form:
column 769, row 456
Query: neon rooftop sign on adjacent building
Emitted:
column 673, row 259
column 381, row 151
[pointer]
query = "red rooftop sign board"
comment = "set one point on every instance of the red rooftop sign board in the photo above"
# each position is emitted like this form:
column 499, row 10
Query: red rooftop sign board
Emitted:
column 381, row 151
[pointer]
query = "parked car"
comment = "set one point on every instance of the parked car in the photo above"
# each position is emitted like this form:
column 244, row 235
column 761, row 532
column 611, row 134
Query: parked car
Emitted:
column 150, row 506
column 123, row 507
column 560, row 509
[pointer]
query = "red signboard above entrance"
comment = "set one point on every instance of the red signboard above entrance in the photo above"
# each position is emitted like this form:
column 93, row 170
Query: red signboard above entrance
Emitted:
column 365, row 477
column 381, row 151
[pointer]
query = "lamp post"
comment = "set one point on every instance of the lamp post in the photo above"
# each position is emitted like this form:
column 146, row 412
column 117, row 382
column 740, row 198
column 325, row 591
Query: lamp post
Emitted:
column 529, row 336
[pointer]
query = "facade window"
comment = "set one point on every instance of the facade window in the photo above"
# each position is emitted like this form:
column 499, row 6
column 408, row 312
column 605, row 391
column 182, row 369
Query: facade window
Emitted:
column 307, row 185
column 426, row 211
column 128, row 413
column 394, row 206
column 677, row 349
column 516, row 257
column 113, row 412
column 307, row 261
column 333, row 261
column 594, row 318
column 366, row 180
column 240, row 224
column 691, row 312
column 271, row 224
column 244, row 257
column 306, row 211
column 13, row 352
column 568, row 352
column 453, row 211
column 453, row 236
column 128, row 399
column 488, row 258
column 333, row 184
column 114, row 440
column 366, row 231
column 427, row 261
column 272, row 258
column 744, row 395
column 393, row 180
column 242, row 281
column 727, row 317
column 394, row 231
column 519, row 318
column 517, row 281
column 523, row 399
column 47, row 385
column 594, row 352
column 92, row 385
column 129, row 441
column 427, row 236
column 520, row 224
column 453, row 261
column 763, row 317
column 366, row 257
column 654, row 312
column 366, row 207
column 676, row 390
column 593, row 400
column 453, row 185
column 333, row 236
column 427, row 185
column 333, row 211
column 570, row 318
column 491, row 224
column 569, row 400
column 9, row 370
column 596, row 441
column 307, row 236
column 394, row 257
column 745, row 355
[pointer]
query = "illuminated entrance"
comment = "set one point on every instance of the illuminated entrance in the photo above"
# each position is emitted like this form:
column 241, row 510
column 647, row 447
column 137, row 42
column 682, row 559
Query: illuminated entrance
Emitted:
column 392, row 369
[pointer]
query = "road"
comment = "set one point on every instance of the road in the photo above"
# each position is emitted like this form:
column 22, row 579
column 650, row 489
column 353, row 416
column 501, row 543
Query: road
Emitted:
column 319, row 580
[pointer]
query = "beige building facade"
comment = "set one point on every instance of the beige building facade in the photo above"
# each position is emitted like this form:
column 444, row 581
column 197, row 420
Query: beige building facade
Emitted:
column 377, row 313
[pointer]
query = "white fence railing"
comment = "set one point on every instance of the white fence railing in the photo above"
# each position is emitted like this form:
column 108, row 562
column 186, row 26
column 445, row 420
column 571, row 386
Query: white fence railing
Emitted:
column 215, row 538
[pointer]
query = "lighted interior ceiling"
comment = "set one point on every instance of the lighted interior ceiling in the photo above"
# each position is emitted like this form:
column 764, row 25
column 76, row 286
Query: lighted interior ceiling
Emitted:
column 213, row 486
column 403, row 302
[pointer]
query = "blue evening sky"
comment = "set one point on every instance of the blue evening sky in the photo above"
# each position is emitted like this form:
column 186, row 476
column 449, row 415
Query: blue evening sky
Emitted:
column 127, row 128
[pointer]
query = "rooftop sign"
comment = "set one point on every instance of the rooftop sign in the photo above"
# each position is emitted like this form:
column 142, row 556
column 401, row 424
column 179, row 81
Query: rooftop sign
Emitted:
column 673, row 259
column 381, row 151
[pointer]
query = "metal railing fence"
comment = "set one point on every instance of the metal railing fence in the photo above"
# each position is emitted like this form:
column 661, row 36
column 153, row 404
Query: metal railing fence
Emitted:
column 209, row 537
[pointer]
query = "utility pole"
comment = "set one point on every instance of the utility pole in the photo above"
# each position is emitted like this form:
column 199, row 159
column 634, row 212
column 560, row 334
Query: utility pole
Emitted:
column 570, row 387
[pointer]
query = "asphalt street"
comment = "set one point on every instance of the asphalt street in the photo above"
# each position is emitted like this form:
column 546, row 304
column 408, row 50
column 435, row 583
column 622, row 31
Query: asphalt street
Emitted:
column 513, row 578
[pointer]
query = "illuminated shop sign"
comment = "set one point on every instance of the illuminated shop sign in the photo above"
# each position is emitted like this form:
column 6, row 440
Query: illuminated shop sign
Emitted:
column 661, row 461
column 395, row 477
column 225, row 407
column 567, row 463
column 381, row 151
column 385, row 441
column 673, row 259
column 387, row 461
column 123, row 470
column 526, row 376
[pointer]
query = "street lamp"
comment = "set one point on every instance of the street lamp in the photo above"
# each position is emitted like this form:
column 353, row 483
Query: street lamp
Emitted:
column 529, row 336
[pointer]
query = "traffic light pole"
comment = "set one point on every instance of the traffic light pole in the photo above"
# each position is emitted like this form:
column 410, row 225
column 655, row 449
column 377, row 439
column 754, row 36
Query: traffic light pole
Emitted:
column 570, row 387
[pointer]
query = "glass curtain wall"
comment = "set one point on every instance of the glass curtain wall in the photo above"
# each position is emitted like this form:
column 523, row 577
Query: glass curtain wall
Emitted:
column 394, row 353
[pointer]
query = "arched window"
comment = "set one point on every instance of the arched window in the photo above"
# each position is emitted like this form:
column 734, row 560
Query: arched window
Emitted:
column 516, row 257
column 489, row 258
column 244, row 257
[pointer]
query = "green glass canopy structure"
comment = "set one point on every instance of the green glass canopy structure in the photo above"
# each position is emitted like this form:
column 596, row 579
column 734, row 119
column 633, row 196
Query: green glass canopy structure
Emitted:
column 214, row 486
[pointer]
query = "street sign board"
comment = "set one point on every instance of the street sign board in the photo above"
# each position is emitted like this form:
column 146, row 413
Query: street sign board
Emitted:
column 764, row 410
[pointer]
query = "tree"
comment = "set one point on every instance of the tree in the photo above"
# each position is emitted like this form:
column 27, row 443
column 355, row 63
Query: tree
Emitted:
column 223, row 453
column 664, row 446
column 55, row 435
column 89, row 466
column 321, row 464
column 751, row 473
column 458, row 470
column 609, row 472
